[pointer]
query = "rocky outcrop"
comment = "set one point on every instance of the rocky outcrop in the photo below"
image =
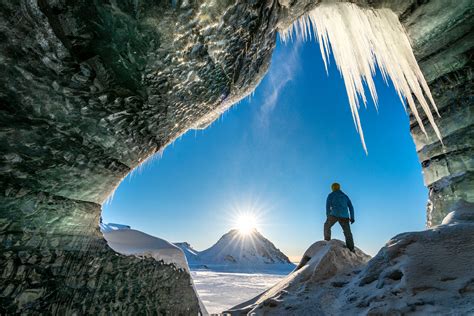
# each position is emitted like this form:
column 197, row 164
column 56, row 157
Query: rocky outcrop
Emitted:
column 91, row 90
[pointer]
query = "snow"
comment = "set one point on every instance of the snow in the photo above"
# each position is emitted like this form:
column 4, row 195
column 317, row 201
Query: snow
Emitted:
column 133, row 242
column 421, row 273
column 236, row 268
column 360, row 39
column 424, row 272
column 427, row 272
column 221, row 290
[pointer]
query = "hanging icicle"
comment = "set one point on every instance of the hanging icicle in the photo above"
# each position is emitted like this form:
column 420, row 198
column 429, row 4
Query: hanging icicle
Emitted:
column 360, row 39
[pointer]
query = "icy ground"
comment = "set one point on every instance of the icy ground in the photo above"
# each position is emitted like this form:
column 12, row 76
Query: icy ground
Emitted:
column 221, row 290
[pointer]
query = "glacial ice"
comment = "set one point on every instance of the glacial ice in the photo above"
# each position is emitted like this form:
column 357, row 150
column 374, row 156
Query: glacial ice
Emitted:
column 360, row 39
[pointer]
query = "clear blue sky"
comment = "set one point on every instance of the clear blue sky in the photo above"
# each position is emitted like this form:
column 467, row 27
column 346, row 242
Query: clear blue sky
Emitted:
column 278, row 152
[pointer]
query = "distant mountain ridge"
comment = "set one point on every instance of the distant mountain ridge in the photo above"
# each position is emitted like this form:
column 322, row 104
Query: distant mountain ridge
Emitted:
column 235, row 249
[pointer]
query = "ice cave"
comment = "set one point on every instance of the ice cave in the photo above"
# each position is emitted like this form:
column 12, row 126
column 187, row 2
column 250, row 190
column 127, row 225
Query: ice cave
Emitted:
column 91, row 90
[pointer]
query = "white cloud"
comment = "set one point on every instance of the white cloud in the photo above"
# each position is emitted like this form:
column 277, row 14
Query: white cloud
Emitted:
column 282, row 71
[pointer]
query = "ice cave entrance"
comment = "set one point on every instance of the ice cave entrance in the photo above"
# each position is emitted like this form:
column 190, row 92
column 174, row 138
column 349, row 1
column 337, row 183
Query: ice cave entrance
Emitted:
column 360, row 42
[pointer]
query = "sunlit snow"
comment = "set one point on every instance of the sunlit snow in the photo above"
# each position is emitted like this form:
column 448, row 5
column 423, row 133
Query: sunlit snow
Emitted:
column 222, row 290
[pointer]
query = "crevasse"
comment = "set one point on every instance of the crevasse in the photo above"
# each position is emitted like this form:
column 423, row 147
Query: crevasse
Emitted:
column 360, row 39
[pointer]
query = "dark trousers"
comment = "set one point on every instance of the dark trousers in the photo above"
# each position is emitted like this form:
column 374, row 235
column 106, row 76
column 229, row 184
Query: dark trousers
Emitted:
column 346, row 228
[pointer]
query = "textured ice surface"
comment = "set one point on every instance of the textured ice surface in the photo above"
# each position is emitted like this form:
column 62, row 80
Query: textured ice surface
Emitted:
column 360, row 39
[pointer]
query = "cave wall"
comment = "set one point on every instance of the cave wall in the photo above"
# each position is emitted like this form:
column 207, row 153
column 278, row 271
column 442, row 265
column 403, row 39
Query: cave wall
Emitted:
column 443, row 39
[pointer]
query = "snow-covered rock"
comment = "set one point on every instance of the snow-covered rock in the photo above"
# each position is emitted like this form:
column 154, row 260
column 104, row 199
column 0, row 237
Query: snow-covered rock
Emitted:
column 464, row 213
column 133, row 242
column 325, row 268
column 427, row 272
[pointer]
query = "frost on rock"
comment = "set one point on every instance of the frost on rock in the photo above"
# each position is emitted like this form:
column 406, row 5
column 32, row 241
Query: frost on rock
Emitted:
column 360, row 39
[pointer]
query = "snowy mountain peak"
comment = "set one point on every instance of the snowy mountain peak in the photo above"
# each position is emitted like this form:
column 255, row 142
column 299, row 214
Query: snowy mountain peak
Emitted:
column 243, row 249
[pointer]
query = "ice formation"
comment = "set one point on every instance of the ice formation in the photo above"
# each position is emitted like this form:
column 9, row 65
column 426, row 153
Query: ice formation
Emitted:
column 360, row 39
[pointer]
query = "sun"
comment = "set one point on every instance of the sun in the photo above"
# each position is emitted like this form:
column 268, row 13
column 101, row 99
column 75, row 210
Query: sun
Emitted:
column 246, row 223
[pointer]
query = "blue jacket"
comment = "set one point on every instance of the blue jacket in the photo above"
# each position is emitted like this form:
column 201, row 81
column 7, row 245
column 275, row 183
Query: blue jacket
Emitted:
column 338, row 204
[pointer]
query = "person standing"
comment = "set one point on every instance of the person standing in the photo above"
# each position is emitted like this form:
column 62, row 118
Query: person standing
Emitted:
column 339, row 209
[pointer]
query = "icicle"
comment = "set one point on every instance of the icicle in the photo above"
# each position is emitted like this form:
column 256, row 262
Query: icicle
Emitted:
column 359, row 39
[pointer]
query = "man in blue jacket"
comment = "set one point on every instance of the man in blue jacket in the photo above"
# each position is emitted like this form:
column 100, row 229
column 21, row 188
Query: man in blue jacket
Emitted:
column 339, row 209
